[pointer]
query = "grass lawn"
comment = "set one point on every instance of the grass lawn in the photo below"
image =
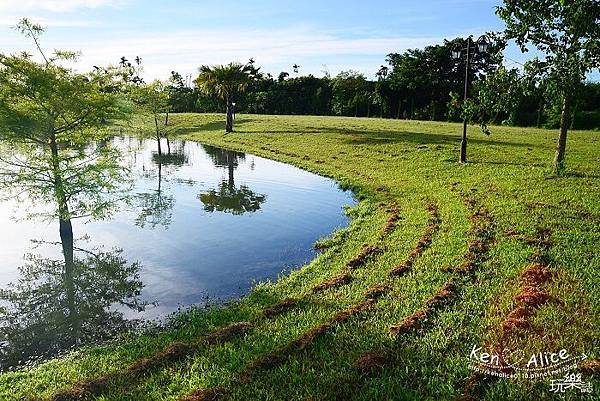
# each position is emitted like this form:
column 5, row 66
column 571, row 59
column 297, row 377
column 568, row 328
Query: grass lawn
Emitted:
column 439, row 257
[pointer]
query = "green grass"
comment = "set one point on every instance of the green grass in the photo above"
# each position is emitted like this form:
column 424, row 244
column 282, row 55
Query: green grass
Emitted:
column 384, row 161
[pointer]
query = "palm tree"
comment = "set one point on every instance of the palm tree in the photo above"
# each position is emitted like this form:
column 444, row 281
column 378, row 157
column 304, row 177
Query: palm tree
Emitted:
column 226, row 82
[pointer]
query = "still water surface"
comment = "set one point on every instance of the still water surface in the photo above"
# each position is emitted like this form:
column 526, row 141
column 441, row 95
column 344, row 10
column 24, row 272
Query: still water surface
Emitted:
column 203, row 223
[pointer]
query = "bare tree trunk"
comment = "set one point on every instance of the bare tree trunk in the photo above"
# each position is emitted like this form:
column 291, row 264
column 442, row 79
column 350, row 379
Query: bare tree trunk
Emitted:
column 157, row 135
column 539, row 114
column 561, row 145
column 229, row 121
column 167, row 133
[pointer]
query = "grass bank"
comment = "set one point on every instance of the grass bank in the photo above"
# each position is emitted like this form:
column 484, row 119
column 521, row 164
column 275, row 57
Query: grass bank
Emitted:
column 439, row 257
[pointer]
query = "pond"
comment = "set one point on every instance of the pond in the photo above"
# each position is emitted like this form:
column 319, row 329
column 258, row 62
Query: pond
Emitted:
column 199, row 224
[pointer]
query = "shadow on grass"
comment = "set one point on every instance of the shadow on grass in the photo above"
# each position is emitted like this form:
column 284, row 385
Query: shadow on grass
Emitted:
column 370, row 137
column 501, row 163
column 383, row 137
column 209, row 126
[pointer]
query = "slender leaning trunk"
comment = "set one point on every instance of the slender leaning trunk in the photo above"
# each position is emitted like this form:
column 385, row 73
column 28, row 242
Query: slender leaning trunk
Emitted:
column 561, row 145
column 166, row 132
column 157, row 135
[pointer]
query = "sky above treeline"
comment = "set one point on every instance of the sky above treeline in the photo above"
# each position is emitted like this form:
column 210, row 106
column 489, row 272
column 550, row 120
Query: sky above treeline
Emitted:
column 181, row 35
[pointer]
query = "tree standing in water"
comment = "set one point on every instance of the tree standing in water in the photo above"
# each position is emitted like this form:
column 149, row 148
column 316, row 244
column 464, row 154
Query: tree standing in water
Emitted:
column 154, row 99
column 53, row 136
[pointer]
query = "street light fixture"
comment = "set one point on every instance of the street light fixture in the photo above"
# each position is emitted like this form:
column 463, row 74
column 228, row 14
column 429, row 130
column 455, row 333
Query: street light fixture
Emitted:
column 480, row 46
column 483, row 45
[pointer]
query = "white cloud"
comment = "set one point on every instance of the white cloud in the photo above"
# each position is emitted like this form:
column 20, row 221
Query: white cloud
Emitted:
column 51, row 13
column 275, row 50
column 46, row 22
column 57, row 6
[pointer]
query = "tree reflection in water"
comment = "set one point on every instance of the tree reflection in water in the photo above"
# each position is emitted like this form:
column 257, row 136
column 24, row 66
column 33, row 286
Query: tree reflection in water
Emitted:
column 156, row 207
column 227, row 198
column 57, row 305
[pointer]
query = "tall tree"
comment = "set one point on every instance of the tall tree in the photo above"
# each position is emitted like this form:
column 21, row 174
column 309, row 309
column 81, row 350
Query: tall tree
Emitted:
column 407, row 77
column 155, row 99
column 567, row 32
column 226, row 82
column 350, row 92
column 182, row 97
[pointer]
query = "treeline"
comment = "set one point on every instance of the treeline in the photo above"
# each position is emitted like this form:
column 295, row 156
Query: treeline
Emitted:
column 417, row 84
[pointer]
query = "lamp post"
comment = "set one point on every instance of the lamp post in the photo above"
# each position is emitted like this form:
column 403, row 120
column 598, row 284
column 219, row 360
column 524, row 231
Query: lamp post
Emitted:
column 480, row 46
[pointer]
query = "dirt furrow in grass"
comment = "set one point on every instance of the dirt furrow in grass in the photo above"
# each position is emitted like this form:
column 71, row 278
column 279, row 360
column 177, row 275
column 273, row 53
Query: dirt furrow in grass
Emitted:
column 368, row 362
column 482, row 230
column 432, row 226
column 173, row 353
column 394, row 216
column 178, row 351
column 281, row 355
column 532, row 295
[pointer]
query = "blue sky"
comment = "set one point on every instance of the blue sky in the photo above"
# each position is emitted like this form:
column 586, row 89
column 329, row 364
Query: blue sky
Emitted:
column 181, row 35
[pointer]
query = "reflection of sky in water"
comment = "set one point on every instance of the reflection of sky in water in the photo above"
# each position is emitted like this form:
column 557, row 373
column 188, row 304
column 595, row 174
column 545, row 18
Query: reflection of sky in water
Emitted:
column 199, row 253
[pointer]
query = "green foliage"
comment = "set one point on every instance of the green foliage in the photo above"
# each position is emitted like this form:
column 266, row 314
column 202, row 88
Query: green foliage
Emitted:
column 226, row 82
column 153, row 98
column 54, row 125
column 350, row 91
column 566, row 32
column 499, row 93
column 182, row 98
column 417, row 85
